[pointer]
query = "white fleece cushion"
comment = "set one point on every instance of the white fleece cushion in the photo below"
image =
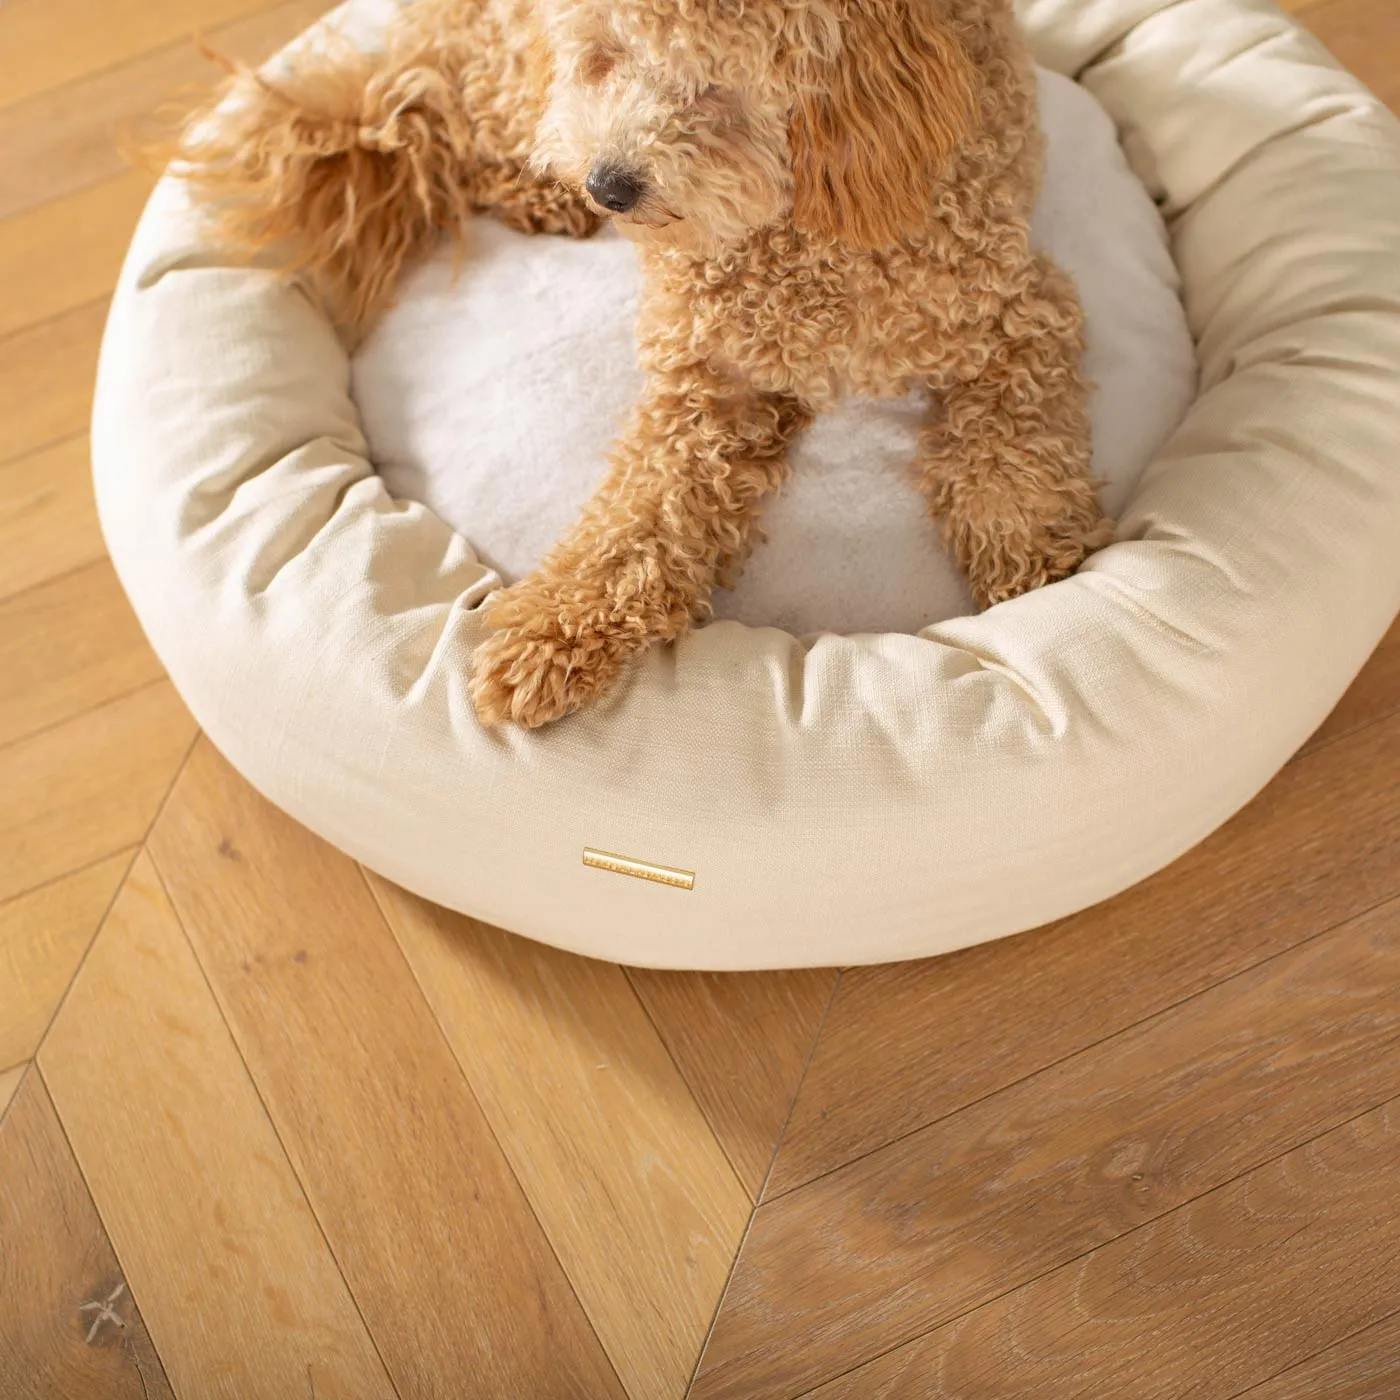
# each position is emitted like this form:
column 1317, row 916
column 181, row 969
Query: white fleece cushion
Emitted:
column 493, row 398
column 840, row 799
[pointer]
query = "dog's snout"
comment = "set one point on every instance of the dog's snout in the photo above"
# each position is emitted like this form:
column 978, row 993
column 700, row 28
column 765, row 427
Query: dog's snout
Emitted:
column 614, row 188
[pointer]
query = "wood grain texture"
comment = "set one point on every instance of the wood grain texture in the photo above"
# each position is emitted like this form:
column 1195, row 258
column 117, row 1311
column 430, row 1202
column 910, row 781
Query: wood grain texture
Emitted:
column 904, row 1046
column 240, row 1291
column 451, row 1270
column 67, row 646
column 69, row 1326
column 1061, row 1163
column 67, row 253
column 1374, row 694
column 1365, row 1366
column 9, row 1082
column 638, row 1200
column 1221, row 1293
column 43, row 936
column 48, row 43
column 80, row 791
column 62, row 141
column 742, row 1041
column 47, row 374
column 46, row 377
column 48, row 522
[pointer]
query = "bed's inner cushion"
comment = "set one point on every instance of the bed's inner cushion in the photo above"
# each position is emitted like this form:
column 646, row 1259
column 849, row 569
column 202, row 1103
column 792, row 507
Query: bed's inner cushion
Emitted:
column 493, row 400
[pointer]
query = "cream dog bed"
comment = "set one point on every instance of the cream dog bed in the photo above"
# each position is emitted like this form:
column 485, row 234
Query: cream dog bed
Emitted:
column 839, row 798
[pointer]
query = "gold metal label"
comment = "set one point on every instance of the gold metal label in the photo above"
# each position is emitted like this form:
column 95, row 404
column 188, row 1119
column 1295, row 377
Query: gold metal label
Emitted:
column 639, row 869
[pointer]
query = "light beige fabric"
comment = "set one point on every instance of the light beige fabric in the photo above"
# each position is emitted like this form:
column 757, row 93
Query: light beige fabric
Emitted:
column 856, row 798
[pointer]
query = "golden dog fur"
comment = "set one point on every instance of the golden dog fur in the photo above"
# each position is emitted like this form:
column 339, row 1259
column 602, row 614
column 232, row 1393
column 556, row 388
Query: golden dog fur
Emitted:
column 834, row 198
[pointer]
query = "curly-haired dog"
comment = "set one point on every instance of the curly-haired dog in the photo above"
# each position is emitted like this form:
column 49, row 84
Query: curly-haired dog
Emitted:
column 829, row 196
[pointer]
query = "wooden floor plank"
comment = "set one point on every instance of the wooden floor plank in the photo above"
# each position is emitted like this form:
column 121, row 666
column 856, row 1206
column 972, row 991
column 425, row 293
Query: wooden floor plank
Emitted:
column 436, row 1239
column 741, row 1041
column 1365, row 36
column 46, row 380
column 1366, row 1366
column 63, row 255
column 1204, row 1302
column 46, row 44
column 83, row 790
column 634, row 1192
column 48, row 522
column 1374, row 695
column 906, row 1045
column 69, row 1326
column 240, row 1291
column 43, row 936
column 9, row 1082
column 948, row 1218
column 62, row 141
column 67, row 646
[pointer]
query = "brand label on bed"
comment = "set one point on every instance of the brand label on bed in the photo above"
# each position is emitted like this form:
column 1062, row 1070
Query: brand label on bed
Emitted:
column 639, row 869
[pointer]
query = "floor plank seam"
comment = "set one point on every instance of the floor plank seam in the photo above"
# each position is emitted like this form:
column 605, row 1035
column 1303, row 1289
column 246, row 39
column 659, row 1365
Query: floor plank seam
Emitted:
column 191, row 40
column 51, row 445
column 87, row 865
column 777, row 1147
column 565, row 1271
column 287, row 1154
column 28, row 1066
column 96, row 1209
column 719, row 1306
column 801, row 1080
column 49, row 201
column 491, row 1130
column 49, row 582
column 84, row 714
column 107, row 70
column 121, row 885
column 1308, row 750
column 685, row 1079
column 1103, row 1244
column 1320, row 1352
column 30, row 327
column 1113, row 1035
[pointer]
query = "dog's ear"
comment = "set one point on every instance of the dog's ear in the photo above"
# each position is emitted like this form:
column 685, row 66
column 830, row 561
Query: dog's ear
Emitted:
column 877, row 122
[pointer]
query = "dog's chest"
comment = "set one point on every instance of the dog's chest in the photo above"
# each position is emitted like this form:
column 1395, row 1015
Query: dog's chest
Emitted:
column 824, row 327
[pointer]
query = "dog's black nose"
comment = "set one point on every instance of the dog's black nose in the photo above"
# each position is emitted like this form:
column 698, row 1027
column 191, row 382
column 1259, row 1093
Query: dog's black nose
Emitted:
column 614, row 189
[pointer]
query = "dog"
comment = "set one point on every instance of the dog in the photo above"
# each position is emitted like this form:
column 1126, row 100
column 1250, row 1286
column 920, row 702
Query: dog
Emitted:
column 828, row 197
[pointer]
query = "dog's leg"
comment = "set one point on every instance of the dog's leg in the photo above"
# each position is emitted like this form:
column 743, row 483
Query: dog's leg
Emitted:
column 669, row 523
column 350, row 166
column 1007, row 465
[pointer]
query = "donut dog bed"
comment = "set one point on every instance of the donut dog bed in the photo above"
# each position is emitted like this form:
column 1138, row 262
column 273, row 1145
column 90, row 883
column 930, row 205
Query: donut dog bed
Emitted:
column 833, row 797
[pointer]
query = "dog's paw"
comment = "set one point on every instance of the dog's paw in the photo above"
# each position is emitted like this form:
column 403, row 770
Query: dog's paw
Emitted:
column 549, row 208
column 1030, row 552
column 532, row 671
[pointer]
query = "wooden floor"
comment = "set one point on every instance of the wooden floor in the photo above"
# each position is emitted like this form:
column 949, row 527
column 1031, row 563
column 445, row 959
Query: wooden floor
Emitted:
column 276, row 1129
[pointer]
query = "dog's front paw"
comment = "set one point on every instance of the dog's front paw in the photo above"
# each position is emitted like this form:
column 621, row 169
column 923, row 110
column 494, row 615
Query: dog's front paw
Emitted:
column 539, row 665
column 1028, row 550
